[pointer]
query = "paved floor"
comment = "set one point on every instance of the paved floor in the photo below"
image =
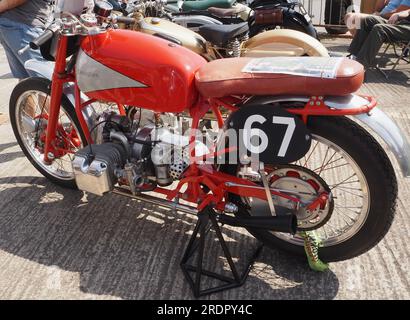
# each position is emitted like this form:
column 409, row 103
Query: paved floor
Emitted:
column 60, row 244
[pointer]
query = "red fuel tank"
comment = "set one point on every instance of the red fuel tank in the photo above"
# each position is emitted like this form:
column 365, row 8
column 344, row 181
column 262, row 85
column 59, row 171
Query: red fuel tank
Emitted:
column 132, row 68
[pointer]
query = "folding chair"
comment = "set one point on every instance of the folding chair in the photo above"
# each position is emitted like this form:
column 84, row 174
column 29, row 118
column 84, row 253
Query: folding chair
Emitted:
column 404, row 55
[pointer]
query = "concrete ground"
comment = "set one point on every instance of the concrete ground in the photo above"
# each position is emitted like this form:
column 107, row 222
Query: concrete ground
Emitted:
column 61, row 244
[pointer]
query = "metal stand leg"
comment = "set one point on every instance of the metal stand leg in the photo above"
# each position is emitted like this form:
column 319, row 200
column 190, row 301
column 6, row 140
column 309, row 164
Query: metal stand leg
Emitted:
column 206, row 217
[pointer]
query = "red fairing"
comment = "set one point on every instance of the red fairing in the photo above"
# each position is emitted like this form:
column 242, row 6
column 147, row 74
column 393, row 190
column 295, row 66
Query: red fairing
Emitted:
column 166, row 71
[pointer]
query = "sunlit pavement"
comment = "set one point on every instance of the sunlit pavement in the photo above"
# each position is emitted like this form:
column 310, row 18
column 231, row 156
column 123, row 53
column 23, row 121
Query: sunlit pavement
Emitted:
column 57, row 243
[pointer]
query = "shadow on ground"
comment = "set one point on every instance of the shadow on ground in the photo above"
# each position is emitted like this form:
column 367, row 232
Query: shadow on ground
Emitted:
column 394, row 77
column 127, row 249
column 9, row 156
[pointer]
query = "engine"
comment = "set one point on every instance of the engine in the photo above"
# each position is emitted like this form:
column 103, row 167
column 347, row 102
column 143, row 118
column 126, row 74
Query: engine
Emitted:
column 136, row 150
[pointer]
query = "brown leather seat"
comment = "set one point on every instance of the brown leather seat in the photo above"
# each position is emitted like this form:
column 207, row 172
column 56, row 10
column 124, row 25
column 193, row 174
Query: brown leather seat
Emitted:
column 226, row 12
column 221, row 78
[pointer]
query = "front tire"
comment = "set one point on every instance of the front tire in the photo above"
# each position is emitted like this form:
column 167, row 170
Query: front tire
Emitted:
column 378, row 176
column 28, row 115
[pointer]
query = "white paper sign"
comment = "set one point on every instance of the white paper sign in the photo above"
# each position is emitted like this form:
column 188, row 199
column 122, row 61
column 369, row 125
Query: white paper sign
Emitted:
column 317, row 67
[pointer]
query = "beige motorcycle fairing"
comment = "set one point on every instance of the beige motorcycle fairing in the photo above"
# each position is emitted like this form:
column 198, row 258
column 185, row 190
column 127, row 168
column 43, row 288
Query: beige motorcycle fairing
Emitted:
column 186, row 37
column 283, row 42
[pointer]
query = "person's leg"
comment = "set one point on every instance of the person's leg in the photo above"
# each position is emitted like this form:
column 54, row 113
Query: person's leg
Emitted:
column 15, row 36
column 8, row 35
column 367, row 25
column 17, row 70
column 379, row 35
column 353, row 21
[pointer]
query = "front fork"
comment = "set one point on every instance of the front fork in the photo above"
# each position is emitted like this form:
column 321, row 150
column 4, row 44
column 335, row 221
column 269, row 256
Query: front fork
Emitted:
column 59, row 78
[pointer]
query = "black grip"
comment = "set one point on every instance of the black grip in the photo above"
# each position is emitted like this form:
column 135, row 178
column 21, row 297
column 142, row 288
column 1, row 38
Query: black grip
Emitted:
column 37, row 43
column 125, row 20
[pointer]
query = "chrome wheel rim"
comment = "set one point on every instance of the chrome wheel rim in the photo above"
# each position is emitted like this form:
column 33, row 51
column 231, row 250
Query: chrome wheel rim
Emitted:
column 60, row 168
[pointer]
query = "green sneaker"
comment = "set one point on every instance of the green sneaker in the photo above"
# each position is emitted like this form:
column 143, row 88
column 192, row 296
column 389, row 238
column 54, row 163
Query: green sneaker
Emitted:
column 311, row 245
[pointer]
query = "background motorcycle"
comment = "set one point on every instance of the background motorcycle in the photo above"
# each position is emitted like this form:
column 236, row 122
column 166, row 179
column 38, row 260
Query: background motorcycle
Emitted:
column 335, row 11
column 215, row 41
column 317, row 164
column 295, row 16
column 261, row 16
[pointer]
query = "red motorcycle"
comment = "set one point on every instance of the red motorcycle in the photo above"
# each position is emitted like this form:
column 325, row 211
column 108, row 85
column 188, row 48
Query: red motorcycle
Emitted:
column 287, row 157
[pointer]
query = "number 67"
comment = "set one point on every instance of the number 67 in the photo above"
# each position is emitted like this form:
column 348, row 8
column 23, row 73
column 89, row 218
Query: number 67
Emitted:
column 249, row 133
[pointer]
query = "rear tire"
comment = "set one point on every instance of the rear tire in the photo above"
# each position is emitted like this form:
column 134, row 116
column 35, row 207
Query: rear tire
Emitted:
column 289, row 22
column 293, row 22
column 380, row 178
column 41, row 87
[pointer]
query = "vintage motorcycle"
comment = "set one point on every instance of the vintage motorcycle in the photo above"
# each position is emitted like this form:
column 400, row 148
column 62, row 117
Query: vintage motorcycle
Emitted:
column 261, row 16
column 295, row 16
column 214, row 41
column 297, row 162
column 334, row 13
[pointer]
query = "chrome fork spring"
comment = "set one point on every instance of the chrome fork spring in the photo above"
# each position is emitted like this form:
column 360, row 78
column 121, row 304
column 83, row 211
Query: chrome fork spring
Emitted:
column 235, row 45
column 235, row 48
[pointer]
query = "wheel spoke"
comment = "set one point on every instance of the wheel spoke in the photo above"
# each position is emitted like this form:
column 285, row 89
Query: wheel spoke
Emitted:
column 324, row 159
column 345, row 214
column 334, row 167
column 346, row 181
column 347, row 208
column 349, row 192
column 313, row 150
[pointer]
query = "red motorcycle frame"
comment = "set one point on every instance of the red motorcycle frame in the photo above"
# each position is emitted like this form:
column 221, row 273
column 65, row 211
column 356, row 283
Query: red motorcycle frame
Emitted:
column 197, row 174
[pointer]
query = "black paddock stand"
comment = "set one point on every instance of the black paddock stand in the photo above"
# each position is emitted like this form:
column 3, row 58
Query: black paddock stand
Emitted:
column 206, row 221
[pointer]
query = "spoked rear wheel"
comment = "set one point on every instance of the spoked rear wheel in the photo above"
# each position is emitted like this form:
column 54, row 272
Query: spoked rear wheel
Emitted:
column 29, row 105
column 347, row 161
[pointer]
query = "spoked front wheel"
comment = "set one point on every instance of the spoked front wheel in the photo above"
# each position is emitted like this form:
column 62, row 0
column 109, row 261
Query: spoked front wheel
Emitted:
column 29, row 109
column 346, row 162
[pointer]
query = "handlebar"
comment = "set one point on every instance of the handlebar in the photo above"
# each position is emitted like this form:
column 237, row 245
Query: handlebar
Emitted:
column 50, row 31
column 37, row 43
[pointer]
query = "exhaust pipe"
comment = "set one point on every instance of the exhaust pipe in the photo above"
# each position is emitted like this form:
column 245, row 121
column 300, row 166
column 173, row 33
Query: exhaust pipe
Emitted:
column 287, row 224
column 283, row 223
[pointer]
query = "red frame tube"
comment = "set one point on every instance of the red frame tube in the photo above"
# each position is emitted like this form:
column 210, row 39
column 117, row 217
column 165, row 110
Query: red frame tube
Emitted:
column 58, row 80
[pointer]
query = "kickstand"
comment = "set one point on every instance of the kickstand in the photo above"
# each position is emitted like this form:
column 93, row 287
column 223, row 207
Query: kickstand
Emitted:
column 206, row 217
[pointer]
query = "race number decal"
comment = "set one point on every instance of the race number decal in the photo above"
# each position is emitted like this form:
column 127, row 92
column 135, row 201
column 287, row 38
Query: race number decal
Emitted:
column 272, row 134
